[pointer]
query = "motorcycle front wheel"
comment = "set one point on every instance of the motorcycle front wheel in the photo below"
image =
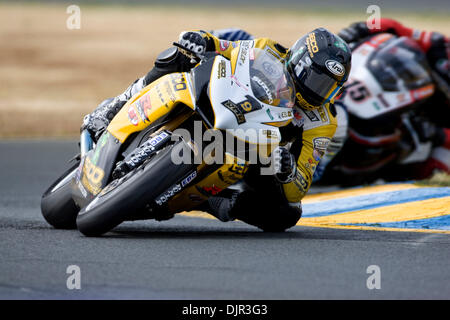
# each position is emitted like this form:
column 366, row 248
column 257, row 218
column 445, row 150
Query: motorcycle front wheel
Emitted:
column 131, row 193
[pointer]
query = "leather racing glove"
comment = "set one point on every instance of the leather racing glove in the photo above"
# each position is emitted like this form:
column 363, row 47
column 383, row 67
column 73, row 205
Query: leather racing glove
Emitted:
column 284, row 164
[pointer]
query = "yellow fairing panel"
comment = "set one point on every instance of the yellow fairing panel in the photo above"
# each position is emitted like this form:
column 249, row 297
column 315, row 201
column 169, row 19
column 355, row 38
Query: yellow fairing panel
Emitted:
column 231, row 172
column 151, row 103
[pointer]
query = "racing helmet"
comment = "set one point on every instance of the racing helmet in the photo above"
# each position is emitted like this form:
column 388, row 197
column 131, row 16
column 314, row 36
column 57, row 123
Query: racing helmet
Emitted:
column 319, row 63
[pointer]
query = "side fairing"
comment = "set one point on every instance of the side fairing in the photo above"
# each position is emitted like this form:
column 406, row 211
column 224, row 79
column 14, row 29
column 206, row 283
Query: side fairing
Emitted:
column 151, row 104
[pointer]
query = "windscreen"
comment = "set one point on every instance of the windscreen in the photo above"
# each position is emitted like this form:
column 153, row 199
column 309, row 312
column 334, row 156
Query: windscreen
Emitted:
column 270, row 80
column 400, row 65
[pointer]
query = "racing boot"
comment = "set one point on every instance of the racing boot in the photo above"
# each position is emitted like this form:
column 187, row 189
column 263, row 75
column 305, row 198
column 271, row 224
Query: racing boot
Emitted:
column 99, row 119
column 222, row 205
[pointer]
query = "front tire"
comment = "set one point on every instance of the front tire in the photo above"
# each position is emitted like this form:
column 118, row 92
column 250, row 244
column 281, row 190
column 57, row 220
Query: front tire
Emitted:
column 131, row 193
column 57, row 205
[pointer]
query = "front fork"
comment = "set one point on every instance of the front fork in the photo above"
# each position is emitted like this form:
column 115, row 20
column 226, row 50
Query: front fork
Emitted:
column 86, row 143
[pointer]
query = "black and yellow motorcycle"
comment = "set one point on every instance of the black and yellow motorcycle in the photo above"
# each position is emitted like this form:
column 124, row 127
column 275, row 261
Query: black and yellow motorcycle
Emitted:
column 147, row 165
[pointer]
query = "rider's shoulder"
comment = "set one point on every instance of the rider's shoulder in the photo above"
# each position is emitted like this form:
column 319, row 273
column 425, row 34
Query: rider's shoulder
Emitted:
column 271, row 46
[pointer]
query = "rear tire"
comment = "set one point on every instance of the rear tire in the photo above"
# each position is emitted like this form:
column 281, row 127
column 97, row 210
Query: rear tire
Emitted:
column 131, row 193
column 57, row 205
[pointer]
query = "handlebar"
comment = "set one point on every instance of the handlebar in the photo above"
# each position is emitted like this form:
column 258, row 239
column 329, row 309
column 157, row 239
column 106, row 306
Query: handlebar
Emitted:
column 195, row 54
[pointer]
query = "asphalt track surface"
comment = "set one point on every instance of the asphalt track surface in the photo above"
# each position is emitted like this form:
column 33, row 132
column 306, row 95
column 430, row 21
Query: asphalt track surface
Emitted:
column 195, row 258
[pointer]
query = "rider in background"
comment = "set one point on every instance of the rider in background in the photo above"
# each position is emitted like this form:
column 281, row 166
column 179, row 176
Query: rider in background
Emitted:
column 436, row 46
column 319, row 64
column 437, row 49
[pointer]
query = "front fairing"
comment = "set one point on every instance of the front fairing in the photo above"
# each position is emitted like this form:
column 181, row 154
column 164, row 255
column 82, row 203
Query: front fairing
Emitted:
column 238, row 108
column 365, row 96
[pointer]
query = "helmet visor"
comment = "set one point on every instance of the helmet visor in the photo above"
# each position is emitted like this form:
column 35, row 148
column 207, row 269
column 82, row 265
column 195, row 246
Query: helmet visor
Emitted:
column 322, row 85
column 319, row 86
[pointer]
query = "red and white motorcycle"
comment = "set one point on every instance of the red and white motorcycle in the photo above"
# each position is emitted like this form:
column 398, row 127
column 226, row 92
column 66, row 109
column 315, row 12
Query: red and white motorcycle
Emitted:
column 384, row 129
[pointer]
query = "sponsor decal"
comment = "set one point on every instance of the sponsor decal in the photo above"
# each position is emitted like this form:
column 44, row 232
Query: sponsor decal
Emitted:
column 301, row 182
column 132, row 116
column 317, row 155
column 298, row 119
column 93, row 173
column 178, row 82
column 321, row 143
column 175, row 188
column 245, row 45
column 146, row 149
column 335, row 67
column 269, row 114
column 422, row 92
column 266, row 89
column 230, row 105
column 311, row 115
column 224, row 44
column 169, row 91
column 143, row 107
column 310, row 165
column 311, row 44
column 210, row 191
column 285, row 114
column 189, row 179
column 239, row 168
column 270, row 134
column 168, row 194
column 249, row 105
column 160, row 95
column 92, row 177
column 221, row 70
column 272, row 52
column 322, row 114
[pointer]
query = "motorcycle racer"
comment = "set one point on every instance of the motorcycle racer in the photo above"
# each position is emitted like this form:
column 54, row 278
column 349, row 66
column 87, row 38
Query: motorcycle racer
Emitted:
column 437, row 49
column 319, row 63
column 436, row 46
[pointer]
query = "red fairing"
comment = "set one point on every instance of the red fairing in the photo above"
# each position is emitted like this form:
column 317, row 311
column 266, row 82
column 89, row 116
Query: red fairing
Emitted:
column 447, row 138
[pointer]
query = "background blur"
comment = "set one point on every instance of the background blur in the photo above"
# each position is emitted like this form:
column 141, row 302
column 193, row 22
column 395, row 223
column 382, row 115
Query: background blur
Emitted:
column 50, row 76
